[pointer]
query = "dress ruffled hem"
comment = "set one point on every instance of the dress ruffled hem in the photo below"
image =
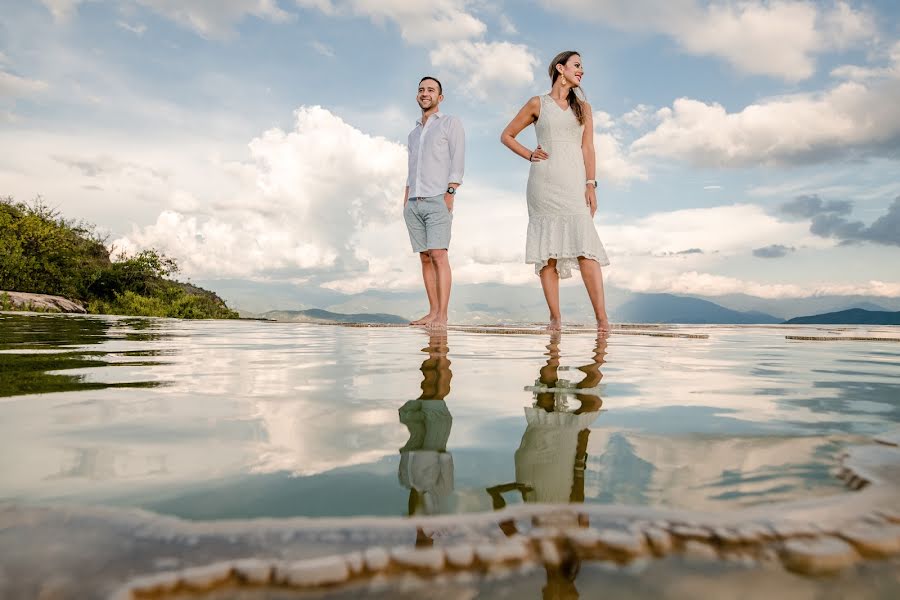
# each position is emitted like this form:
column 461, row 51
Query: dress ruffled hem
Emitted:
column 563, row 238
column 538, row 417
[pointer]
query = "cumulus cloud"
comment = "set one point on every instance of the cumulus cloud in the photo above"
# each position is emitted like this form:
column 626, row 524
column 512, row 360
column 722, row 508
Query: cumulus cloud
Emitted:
column 711, row 229
column 773, row 251
column 776, row 38
column 828, row 220
column 613, row 163
column 851, row 119
column 485, row 69
column 295, row 211
column 658, row 253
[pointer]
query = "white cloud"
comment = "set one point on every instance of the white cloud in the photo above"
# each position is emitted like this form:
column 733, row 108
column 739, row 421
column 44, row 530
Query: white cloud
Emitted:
column 854, row 117
column 708, row 284
column 138, row 29
column 778, row 37
column 858, row 73
column 844, row 27
column 638, row 116
column 603, row 120
column 419, row 22
column 14, row 86
column 304, row 197
column 61, row 10
column 321, row 48
column 613, row 164
column 710, row 229
column 486, row 69
column 216, row 19
column 649, row 254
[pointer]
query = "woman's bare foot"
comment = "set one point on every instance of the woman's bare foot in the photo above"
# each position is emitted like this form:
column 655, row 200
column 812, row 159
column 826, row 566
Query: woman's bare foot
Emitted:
column 437, row 324
column 423, row 320
column 555, row 325
column 603, row 324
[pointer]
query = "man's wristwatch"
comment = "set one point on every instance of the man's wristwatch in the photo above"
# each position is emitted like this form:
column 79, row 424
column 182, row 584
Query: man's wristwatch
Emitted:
column 451, row 190
column 592, row 182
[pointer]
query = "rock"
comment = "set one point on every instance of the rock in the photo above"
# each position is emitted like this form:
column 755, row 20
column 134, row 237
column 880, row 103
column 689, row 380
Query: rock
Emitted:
column 818, row 556
column 874, row 541
column 660, row 540
column 428, row 559
column 328, row 570
column 42, row 302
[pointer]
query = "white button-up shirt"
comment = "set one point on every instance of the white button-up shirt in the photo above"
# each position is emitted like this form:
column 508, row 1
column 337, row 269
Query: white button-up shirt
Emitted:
column 437, row 153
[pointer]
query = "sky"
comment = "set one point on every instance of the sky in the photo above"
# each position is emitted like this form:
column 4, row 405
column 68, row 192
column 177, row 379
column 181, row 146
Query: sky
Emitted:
column 743, row 147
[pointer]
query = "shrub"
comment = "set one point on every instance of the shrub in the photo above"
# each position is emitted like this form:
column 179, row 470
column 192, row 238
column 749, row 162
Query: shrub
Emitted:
column 42, row 253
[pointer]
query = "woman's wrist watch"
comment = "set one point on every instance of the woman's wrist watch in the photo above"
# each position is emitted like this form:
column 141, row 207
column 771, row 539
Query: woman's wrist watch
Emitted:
column 592, row 182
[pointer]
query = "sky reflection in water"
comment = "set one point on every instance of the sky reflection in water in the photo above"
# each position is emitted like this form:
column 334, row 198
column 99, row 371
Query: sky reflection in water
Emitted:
column 241, row 419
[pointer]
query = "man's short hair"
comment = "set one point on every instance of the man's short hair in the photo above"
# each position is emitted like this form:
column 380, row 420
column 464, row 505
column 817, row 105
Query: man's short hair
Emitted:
column 436, row 80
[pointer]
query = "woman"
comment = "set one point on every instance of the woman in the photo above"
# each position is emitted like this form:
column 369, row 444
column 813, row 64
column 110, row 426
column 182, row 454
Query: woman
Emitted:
column 562, row 188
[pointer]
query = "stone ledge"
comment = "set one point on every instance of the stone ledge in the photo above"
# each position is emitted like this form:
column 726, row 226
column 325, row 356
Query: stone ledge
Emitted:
column 42, row 302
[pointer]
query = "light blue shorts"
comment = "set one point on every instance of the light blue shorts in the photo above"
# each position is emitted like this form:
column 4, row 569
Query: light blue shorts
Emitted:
column 428, row 222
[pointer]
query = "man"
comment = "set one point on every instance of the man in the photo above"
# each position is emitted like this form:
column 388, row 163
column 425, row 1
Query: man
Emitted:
column 436, row 160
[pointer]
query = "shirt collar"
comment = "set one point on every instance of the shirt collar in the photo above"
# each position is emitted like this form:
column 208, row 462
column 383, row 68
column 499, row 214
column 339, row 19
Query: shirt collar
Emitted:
column 436, row 115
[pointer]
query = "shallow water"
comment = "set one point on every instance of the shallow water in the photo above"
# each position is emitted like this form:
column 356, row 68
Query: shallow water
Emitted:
column 241, row 419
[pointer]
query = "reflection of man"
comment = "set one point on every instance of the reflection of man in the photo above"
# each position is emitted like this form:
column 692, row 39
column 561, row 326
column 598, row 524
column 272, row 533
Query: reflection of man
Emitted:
column 426, row 468
column 435, row 171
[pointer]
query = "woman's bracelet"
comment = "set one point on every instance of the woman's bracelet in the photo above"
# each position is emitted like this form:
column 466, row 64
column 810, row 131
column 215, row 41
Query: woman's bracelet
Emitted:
column 531, row 156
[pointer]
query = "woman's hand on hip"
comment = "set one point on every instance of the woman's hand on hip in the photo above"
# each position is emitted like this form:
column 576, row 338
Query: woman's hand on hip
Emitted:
column 590, row 198
column 539, row 154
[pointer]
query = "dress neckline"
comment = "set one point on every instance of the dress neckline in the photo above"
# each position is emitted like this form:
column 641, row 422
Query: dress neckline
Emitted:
column 553, row 100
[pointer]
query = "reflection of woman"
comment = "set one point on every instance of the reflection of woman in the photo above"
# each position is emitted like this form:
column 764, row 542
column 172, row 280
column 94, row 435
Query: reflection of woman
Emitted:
column 426, row 468
column 552, row 455
column 562, row 196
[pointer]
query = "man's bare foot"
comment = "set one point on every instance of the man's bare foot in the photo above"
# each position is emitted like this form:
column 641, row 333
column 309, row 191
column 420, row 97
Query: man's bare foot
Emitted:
column 555, row 325
column 423, row 320
column 603, row 325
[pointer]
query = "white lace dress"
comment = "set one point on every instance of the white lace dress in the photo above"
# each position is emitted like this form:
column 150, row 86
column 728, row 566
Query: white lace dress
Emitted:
column 545, row 460
column 559, row 222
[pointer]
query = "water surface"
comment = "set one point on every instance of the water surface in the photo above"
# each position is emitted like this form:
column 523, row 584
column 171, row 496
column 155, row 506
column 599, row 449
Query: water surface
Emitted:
column 233, row 419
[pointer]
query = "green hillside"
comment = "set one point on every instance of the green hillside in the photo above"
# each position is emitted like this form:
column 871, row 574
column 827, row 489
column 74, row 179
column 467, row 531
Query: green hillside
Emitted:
column 44, row 253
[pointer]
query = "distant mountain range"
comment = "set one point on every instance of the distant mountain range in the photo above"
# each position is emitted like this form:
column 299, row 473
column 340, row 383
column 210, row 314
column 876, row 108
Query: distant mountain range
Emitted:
column 496, row 303
column 317, row 315
column 854, row 316
column 667, row 308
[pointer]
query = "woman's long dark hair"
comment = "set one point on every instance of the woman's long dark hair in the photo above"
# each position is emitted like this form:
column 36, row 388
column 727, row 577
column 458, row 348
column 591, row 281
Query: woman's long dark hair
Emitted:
column 574, row 102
